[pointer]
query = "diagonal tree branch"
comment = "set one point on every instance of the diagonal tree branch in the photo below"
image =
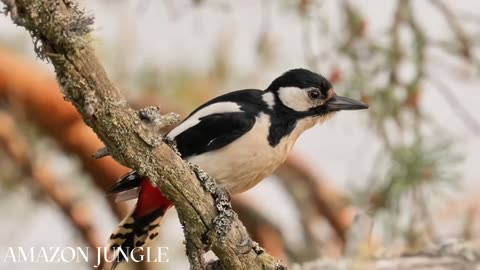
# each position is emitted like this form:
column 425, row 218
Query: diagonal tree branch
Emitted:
column 60, row 32
column 326, row 200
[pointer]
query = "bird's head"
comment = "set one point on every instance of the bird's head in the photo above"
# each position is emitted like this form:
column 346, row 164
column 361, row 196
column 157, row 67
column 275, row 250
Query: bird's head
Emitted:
column 308, row 94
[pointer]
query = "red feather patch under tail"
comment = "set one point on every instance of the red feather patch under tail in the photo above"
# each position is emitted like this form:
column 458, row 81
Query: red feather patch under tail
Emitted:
column 142, row 225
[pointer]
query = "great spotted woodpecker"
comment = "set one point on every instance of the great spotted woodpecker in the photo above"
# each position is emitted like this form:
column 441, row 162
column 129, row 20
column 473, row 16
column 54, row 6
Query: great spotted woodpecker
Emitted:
column 238, row 138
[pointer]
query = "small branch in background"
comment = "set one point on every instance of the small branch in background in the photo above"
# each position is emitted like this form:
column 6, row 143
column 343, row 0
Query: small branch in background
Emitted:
column 326, row 200
column 358, row 236
column 460, row 34
column 76, row 212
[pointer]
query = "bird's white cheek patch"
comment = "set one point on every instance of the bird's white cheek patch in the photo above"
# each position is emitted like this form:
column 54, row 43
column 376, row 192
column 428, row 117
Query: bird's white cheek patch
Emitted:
column 295, row 98
column 222, row 107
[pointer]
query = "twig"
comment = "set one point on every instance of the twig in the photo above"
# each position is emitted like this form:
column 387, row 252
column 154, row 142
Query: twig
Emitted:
column 324, row 197
column 358, row 236
column 460, row 34
column 102, row 152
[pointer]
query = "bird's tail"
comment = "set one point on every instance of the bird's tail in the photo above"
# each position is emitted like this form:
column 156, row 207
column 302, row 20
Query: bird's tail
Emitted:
column 141, row 225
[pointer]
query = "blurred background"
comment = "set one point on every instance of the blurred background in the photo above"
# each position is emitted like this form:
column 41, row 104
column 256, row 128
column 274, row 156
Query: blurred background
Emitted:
column 411, row 162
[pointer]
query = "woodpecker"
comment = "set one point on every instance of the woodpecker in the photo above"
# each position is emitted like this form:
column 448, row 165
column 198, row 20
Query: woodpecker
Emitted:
column 238, row 138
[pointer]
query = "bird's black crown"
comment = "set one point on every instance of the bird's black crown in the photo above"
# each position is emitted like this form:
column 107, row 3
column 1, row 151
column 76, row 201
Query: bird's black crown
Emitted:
column 301, row 78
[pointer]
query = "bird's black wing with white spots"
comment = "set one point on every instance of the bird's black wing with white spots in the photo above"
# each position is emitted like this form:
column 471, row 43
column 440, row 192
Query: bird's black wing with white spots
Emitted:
column 218, row 122
column 213, row 132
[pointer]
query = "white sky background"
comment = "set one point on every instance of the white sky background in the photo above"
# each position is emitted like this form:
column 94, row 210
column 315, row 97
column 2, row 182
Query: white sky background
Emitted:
column 172, row 34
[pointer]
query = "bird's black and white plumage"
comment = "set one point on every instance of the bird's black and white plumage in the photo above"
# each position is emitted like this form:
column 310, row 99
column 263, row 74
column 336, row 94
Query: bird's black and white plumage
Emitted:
column 241, row 137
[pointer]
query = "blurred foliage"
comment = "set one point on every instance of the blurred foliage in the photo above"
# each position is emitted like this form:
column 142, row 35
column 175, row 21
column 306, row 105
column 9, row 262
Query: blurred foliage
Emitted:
column 418, row 169
column 416, row 176
column 413, row 166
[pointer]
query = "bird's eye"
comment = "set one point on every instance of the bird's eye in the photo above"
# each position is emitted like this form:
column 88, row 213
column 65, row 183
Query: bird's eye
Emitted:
column 314, row 94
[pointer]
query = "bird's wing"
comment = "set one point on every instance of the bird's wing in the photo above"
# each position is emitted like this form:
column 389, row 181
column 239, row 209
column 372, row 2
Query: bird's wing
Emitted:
column 218, row 122
column 128, row 181
column 127, row 187
column 212, row 132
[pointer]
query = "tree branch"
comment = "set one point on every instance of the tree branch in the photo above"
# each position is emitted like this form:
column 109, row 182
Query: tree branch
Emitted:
column 60, row 32
column 326, row 199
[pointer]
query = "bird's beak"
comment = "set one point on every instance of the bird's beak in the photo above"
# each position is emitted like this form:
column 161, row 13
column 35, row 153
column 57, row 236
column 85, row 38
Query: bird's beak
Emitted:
column 338, row 103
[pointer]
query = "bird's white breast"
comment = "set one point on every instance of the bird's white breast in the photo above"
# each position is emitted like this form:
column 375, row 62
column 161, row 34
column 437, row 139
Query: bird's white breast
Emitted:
column 244, row 163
